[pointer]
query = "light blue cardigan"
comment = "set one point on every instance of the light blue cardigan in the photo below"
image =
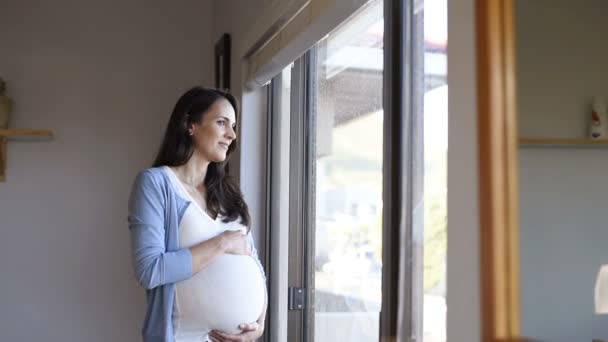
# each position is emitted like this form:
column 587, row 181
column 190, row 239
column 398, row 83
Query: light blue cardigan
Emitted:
column 155, row 211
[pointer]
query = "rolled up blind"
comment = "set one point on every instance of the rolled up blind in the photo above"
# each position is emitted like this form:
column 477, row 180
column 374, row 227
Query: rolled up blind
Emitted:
column 315, row 20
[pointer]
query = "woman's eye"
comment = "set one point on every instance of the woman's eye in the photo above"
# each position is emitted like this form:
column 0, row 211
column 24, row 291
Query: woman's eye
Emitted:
column 221, row 123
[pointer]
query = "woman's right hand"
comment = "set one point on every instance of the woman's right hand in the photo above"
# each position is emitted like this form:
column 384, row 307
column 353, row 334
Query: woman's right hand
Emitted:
column 234, row 242
column 230, row 241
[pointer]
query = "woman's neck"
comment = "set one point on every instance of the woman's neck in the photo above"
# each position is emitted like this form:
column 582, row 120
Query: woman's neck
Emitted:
column 193, row 172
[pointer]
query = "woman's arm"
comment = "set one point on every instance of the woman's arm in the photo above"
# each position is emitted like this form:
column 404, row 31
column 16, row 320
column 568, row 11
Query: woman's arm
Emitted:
column 232, row 242
column 153, row 265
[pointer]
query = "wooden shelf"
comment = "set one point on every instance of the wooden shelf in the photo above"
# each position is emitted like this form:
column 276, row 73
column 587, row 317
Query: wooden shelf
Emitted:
column 10, row 134
column 563, row 142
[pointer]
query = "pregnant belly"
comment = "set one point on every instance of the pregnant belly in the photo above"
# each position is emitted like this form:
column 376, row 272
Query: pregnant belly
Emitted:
column 226, row 293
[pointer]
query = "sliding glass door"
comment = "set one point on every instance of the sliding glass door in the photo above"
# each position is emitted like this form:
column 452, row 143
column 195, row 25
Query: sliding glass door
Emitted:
column 357, row 227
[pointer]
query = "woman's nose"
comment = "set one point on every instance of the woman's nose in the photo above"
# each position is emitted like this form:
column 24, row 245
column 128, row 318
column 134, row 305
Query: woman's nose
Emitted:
column 231, row 133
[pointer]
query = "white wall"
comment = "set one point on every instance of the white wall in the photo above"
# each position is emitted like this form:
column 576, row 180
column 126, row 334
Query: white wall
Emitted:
column 104, row 75
column 463, row 299
column 561, row 64
column 563, row 193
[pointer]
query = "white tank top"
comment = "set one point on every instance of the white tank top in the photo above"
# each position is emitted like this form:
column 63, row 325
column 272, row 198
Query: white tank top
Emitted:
column 229, row 291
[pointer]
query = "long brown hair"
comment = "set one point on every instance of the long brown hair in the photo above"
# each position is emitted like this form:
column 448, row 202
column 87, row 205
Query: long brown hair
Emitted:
column 223, row 194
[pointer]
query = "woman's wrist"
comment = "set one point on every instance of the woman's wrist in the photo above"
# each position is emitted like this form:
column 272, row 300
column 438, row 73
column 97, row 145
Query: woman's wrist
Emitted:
column 222, row 244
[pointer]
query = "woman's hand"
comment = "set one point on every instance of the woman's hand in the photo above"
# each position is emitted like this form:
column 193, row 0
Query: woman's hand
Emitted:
column 234, row 242
column 251, row 332
column 230, row 241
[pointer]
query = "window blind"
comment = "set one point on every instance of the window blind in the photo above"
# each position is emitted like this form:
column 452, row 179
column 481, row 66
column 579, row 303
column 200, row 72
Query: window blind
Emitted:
column 313, row 20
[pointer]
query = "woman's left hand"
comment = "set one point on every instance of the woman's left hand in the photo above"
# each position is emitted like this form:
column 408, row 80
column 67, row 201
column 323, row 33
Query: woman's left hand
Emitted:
column 251, row 332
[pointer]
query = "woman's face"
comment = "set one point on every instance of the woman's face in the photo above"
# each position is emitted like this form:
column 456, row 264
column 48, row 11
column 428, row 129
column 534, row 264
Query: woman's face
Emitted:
column 215, row 132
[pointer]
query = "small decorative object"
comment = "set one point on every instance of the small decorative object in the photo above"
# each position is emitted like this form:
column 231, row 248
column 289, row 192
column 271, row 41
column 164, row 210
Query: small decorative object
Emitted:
column 601, row 291
column 6, row 105
column 598, row 119
column 222, row 62
column 601, row 294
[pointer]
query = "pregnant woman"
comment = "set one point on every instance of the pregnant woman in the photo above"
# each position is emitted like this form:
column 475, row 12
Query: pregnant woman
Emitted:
column 192, row 249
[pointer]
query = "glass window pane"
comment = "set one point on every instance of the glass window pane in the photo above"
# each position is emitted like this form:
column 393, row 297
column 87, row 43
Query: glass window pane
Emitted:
column 347, row 108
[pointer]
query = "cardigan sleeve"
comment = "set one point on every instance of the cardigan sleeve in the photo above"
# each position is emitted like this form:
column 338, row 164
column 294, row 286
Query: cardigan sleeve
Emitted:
column 152, row 263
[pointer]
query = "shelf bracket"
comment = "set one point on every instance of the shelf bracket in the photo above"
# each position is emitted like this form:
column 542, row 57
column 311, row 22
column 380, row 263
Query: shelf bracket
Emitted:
column 5, row 134
column 3, row 157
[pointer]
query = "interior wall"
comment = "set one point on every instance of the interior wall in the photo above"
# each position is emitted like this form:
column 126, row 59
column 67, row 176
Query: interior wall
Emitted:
column 463, row 298
column 561, row 66
column 104, row 76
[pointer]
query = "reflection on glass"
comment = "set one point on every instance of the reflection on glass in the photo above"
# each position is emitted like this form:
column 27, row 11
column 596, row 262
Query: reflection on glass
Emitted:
column 347, row 105
column 435, row 169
